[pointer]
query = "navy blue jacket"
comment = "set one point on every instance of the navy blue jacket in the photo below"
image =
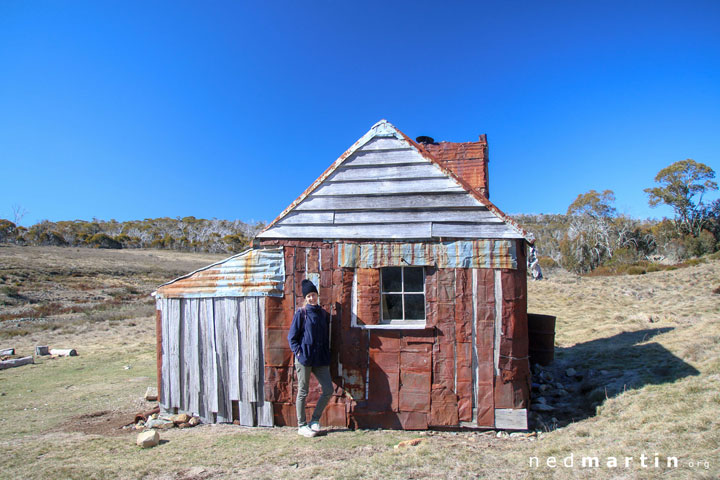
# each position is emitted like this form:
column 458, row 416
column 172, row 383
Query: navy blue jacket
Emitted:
column 309, row 336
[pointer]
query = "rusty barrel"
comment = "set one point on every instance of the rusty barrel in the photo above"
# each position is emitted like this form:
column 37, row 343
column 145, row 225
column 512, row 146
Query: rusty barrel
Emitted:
column 541, row 333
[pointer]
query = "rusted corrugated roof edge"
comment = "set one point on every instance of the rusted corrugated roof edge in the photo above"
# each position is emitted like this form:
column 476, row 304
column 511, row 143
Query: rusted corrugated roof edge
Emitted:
column 208, row 267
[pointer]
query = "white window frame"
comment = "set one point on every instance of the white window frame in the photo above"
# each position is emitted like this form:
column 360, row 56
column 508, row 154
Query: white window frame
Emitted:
column 402, row 293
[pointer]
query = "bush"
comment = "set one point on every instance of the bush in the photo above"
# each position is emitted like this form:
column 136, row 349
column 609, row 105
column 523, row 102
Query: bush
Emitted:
column 700, row 245
column 547, row 262
column 636, row 270
column 102, row 240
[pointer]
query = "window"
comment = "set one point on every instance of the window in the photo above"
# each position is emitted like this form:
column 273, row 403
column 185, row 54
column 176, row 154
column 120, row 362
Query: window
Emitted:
column 402, row 291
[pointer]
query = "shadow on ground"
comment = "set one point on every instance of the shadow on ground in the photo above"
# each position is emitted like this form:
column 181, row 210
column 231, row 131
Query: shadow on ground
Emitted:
column 585, row 375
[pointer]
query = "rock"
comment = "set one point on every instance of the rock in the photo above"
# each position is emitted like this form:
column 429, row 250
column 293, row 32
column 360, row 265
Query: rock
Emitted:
column 546, row 376
column 559, row 385
column 598, row 395
column 561, row 392
column 159, row 423
column 181, row 418
column 409, row 443
column 541, row 407
column 545, row 387
column 604, row 372
column 151, row 394
column 194, row 421
column 148, row 439
column 541, row 400
column 570, row 372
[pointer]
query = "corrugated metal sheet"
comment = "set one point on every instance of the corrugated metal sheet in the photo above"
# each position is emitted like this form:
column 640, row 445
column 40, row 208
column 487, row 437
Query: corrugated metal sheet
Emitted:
column 254, row 272
column 459, row 254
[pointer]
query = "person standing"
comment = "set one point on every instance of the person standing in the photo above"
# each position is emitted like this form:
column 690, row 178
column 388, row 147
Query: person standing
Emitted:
column 309, row 340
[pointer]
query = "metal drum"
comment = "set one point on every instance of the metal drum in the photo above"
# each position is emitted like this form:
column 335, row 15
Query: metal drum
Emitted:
column 541, row 332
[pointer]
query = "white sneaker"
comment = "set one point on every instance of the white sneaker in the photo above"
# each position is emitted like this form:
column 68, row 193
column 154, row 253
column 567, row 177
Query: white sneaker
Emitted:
column 315, row 427
column 306, row 431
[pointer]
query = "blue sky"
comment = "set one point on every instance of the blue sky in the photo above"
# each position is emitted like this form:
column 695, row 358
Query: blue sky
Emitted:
column 141, row 109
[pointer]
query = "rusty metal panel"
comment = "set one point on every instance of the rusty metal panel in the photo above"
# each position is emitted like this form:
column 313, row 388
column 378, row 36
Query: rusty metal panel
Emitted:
column 254, row 272
column 485, row 335
column 443, row 407
column 458, row 254
column 368, row 296
column 384, row 381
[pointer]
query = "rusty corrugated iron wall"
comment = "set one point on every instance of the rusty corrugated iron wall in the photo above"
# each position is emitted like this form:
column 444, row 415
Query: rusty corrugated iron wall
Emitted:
column 456, row 370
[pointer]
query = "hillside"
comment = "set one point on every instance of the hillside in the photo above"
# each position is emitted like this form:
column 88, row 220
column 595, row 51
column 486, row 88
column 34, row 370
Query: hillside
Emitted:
column 645, row 350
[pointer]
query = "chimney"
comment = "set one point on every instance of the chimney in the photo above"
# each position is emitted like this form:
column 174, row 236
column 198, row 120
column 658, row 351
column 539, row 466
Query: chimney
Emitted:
column 467, row 160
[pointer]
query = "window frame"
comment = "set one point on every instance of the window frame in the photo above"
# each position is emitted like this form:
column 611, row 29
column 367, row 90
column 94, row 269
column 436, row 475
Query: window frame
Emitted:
column 403, row 322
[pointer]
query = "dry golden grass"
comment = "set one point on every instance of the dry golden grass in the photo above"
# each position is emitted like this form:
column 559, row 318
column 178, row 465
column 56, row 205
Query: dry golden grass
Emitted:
column 659, row 332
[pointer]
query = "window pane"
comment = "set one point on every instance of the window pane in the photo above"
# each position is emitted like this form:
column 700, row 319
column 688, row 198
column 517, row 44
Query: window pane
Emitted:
column 414, row 279
column 392, row 307
column 414, row 307
column 391, row 280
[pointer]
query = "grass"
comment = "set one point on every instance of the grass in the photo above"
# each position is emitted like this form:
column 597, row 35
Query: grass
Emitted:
column 658, row 333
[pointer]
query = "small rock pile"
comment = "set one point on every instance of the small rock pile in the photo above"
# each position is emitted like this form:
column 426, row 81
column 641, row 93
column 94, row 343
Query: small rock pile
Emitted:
column 562, row 394
column 166, row 421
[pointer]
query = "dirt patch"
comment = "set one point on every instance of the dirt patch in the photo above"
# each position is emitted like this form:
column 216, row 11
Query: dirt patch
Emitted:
column 106, row 422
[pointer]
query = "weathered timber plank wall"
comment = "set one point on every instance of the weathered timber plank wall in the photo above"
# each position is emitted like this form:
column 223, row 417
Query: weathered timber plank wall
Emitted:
column 388, row 190
column 212, row 358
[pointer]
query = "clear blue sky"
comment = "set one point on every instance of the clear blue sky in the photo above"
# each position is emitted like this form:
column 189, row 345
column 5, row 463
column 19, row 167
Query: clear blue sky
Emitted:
column 140, row 109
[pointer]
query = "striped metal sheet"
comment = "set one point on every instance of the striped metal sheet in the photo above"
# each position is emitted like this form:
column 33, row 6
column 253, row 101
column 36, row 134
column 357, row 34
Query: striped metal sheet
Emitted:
column 254, row 272
column 459, row 254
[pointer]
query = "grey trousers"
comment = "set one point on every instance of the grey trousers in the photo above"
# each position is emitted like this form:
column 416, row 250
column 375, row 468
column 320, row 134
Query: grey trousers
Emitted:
column 323, row 376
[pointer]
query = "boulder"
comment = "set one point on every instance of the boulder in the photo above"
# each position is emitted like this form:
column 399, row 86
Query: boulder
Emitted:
column 148, row 439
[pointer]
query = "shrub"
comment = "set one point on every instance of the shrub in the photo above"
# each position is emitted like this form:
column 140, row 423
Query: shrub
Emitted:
column 547, row 262
column 636, row 270
column 102, row 240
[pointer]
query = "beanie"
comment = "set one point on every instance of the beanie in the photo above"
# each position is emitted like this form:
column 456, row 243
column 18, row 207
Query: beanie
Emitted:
column 308, row 287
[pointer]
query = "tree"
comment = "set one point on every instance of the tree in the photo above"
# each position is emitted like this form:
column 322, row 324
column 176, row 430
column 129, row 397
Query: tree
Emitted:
column 679, row 184
column 589, row 240
column 594, row 204
column 7, row 230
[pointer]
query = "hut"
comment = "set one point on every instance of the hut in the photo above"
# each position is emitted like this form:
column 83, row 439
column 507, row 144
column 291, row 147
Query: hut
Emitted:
column 425, row 280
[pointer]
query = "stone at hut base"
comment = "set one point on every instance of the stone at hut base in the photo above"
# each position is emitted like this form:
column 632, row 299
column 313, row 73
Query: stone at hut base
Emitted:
column 181, row 418
column 148, row 439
